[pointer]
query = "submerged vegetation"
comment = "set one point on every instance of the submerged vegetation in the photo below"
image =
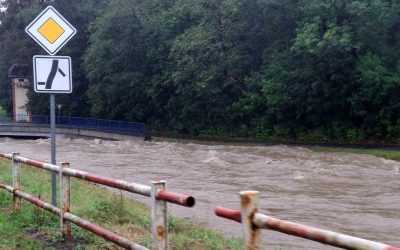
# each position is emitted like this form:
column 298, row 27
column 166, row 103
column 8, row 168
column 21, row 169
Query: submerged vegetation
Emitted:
column 315, row 70
column 34, row 228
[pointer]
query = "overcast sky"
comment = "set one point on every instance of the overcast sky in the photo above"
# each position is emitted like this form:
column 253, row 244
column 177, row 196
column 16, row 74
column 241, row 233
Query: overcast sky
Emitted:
column 2, row 9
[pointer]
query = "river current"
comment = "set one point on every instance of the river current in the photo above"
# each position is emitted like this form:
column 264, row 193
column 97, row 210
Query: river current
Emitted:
column 347, row 193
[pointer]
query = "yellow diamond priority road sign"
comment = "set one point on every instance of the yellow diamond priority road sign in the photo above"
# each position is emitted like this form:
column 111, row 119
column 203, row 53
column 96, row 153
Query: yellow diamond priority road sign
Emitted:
column 51, row 30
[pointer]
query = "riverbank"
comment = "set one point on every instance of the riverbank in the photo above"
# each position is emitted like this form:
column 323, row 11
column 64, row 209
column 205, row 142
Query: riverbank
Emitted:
column 273, row 141
column 390, row 154
column 34, row 228
column 384, row 150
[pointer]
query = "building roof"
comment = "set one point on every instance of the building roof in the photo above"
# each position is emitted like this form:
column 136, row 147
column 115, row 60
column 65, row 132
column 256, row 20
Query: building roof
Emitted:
column 20, row 71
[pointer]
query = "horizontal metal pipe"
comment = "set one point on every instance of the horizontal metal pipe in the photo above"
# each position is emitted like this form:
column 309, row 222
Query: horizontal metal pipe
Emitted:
column 111, row 182
column 8, row 188
column 180, row 199
column 120, row 241
column 7, row 156
column 120, row 184
column 320, row 235
column 104, row 233
column 38, row 164
column 35, row 201
column 229, row 214
column 306, row 232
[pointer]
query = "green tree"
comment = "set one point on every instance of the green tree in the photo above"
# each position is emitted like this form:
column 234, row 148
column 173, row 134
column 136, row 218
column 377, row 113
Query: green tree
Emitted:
column 15, row 46
column 316, row 69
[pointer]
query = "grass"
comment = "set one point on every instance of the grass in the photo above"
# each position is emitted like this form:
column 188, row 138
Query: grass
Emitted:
column 34, row 228
column 384, row 153
column 2, row 111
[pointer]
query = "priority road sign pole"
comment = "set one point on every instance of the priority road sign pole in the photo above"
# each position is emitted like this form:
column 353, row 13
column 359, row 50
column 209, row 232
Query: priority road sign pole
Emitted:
column 52, row 31
column 53, row 148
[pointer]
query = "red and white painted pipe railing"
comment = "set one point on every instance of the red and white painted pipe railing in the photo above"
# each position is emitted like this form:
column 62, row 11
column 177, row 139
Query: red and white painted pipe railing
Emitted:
column 253, row 221
column 157, row 191
column 179, row 199
column 76, row 220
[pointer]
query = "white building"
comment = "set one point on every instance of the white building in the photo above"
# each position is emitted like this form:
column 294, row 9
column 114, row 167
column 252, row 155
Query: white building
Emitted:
column 19, row 74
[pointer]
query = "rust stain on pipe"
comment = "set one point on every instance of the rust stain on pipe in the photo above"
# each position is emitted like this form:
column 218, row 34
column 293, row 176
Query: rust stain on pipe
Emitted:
column 161, row 231
column 246, row 201
column 249, row 206
column 254, row 237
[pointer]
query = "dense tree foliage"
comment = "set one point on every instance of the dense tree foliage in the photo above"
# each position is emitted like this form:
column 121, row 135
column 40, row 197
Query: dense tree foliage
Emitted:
column 305, row 69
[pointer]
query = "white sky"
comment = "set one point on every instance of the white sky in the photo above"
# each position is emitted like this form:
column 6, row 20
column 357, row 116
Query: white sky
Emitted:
column 2, row 9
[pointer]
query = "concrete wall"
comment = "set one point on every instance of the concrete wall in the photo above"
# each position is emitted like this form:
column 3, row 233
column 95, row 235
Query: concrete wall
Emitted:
column 30, row 131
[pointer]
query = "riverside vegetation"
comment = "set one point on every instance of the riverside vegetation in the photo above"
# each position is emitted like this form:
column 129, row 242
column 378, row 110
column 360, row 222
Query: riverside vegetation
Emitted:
column 34, row 228
column 314, row 70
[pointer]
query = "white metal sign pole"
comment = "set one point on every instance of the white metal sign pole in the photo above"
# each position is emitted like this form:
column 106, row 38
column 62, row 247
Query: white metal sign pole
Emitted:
column 53, row 148
column 52, row 74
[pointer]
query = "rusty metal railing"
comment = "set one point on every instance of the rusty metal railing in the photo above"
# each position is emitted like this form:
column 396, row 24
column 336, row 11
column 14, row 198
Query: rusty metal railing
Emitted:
column 157, row 191
column 253, row 221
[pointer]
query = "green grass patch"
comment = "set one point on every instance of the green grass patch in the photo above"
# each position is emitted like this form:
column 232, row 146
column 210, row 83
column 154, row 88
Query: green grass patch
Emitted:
column 34, row 228
column 2, row 111
column 384, row 153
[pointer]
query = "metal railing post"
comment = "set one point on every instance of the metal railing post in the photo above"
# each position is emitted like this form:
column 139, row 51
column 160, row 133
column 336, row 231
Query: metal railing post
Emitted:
column 16, row 181
column 249, row 207
column 159, row 227
column 65, row 200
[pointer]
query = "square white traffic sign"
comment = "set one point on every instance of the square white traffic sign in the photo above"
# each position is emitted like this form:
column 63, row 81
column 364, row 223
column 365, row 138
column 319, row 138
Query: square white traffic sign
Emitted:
column 52, row 74
column 51, row 30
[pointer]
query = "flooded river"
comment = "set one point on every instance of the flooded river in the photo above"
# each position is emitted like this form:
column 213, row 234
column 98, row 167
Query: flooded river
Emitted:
column 348, row 193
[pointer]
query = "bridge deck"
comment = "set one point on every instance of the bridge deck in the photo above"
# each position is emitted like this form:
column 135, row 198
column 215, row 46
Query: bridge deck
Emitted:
column 39, row 126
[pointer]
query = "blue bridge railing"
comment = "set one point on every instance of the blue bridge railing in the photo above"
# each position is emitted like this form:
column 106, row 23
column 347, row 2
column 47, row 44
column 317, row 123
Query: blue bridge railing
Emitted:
column 119, row 127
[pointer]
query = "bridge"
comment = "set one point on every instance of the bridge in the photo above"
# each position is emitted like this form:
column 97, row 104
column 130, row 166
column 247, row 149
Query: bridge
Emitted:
column 39, row 126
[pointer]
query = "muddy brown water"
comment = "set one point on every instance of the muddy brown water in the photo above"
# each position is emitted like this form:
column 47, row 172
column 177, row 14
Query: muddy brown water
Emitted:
column 348, row 193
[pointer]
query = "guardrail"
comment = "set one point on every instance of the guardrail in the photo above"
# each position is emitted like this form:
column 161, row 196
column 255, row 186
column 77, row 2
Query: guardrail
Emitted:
column 120, row 127
column 253, row 221
column 157, row 191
